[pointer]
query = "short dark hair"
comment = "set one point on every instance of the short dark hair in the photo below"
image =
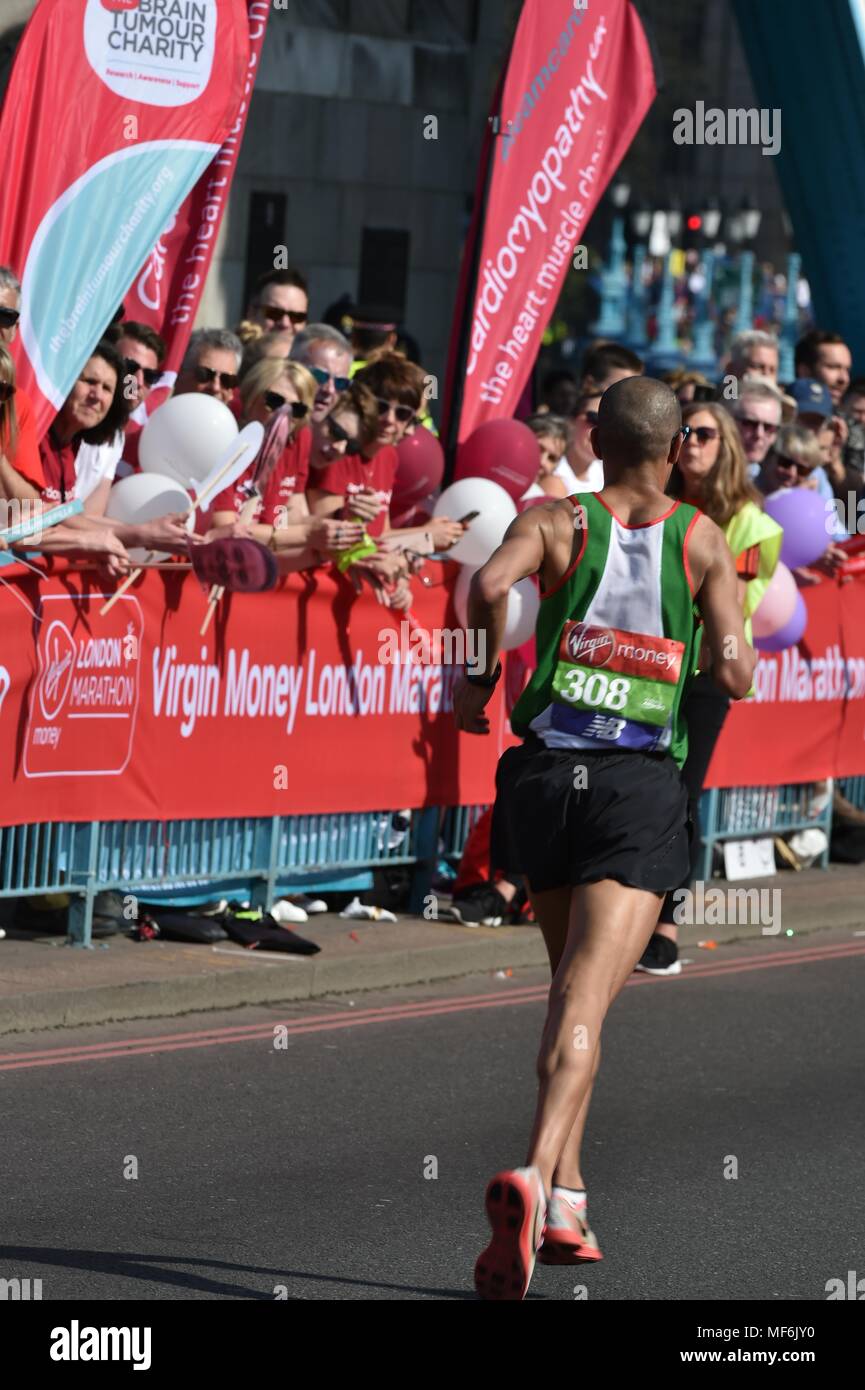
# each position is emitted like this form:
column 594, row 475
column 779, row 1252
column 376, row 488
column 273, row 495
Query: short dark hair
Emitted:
column 394, row 378
column 856, row 388
column 119, row 409
column 560, row 391
column 139, row 333
column 808, row 347
column 601, row 357
column 279, row 277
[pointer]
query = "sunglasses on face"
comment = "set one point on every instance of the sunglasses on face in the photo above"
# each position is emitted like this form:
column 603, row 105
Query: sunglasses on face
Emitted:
column 804, row 470
column 150, row 374
column 7, row 391
column 341, row 383
column 590, row 417
column 402, row 413
column 9, row 317
column 703, row 433
column 227, row 380
column 340, row 436
column 746, row 423
column 274, row 401
column 273, row 314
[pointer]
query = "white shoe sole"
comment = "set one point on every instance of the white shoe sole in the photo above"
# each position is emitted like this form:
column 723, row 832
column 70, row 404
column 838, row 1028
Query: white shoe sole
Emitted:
column 674, row 969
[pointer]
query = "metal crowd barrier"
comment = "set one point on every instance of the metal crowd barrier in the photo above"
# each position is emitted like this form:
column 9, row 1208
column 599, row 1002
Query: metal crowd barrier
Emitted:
column 260, row 857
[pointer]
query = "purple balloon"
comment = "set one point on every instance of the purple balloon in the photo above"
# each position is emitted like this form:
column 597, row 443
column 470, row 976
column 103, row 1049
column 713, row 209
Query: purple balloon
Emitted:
column 806, row 523
column 788, row 635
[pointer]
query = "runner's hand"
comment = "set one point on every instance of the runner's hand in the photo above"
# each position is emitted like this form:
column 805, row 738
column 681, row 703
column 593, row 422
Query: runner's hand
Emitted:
column 470, row 701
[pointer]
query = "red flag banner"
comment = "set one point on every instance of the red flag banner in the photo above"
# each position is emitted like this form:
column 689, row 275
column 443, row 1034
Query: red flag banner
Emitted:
column 167, row 291
column 114, row 110
column 579, row 83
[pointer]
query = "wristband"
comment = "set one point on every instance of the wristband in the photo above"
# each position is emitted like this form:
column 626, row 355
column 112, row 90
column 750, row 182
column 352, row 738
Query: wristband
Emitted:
column 485, row 682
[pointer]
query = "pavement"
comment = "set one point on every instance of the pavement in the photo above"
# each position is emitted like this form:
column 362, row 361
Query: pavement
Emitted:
column 46, row 984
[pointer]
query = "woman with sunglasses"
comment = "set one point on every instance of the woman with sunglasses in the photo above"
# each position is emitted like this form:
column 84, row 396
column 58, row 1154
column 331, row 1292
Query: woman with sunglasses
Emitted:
column 268, row 503
column 361, row 486
column 580, row 471
column 712, row 474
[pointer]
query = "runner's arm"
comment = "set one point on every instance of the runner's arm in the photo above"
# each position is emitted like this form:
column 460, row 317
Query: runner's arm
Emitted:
column 733, row 659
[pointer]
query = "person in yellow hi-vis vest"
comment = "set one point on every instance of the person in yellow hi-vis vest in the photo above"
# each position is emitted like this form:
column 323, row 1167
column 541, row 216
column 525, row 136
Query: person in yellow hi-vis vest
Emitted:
column 712, row 474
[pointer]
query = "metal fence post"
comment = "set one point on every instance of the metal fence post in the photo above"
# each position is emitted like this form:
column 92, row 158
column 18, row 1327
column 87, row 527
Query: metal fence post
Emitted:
column 426, row 850
column 80, row 922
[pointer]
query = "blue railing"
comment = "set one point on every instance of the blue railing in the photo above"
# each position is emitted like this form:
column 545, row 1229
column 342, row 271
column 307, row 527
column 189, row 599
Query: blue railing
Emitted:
column 260, row 857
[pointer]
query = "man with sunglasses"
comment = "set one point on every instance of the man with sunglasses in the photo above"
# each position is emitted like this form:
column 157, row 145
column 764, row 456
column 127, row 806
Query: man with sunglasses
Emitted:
column 757, row 411
column 143, row 352
column 280, row 300
column 211, row 365
column 326, row 354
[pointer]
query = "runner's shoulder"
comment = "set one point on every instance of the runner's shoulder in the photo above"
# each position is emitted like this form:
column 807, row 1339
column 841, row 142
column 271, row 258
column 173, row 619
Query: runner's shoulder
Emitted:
column 706, row 542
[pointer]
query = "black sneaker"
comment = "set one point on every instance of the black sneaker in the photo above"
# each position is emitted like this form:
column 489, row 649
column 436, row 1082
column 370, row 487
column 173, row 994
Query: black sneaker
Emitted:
column 480, row 906
column 661, row 957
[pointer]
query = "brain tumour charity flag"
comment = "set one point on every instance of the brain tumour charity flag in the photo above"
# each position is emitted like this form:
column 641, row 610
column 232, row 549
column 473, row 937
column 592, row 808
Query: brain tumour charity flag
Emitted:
column 578, row 84
column 113, row 111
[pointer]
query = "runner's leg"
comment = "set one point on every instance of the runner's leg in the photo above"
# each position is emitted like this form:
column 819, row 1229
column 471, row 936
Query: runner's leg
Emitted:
column 552, row 912
column 608, row 929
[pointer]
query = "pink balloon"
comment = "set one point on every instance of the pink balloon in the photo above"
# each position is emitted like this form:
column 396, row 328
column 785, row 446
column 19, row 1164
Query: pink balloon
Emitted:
column 505, row 451
column 419, row 472
column 790, row 633
column 777, row 605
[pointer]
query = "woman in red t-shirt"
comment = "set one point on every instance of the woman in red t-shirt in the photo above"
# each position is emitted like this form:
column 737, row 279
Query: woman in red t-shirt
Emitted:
column 21, row 476
column 269, row 501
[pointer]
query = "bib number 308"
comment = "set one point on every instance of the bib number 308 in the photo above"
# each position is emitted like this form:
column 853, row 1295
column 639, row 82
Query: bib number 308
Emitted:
column 597, row 691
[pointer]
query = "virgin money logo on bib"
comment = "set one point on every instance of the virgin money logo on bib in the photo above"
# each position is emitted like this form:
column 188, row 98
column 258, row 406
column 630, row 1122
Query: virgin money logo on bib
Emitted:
column 592, row 646
column 154, row 51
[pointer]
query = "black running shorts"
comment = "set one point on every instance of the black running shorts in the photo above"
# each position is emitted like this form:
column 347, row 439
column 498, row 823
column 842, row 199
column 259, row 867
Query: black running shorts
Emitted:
column 565, row 817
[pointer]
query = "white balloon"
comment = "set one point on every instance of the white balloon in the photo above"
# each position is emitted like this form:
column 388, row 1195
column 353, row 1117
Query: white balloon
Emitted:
column 523, row 605
column 145, row 497
column 486, row 532
column 185, row 437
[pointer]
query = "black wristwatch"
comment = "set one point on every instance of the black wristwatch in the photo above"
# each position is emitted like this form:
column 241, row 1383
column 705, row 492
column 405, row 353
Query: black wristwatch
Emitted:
column 487, row 682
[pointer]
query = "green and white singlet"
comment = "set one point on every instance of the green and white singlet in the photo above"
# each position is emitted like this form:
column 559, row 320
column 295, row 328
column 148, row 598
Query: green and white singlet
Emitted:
column 616, row 642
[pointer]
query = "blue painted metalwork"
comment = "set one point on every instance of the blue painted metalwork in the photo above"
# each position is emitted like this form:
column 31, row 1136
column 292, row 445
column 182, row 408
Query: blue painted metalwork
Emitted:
column 259, row 858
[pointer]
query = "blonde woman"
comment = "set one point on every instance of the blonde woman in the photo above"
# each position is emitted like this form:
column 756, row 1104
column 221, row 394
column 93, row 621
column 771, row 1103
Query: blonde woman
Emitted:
column 712, row 474
column 269, row 501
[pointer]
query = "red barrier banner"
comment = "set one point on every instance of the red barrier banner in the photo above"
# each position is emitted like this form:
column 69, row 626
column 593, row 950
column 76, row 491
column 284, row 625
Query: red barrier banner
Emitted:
column 114, row 110
column 806, row 718
column 311, row 699
column 307, row 699
column 579, row 83
column 167, row 291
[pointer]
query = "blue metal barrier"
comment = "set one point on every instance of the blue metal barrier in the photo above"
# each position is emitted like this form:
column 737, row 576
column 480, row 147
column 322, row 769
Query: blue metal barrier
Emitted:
column 261, row 857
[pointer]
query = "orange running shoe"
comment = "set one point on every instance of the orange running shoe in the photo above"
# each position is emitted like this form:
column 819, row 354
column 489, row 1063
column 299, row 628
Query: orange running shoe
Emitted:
column 516, row 1206
column 567, row 1238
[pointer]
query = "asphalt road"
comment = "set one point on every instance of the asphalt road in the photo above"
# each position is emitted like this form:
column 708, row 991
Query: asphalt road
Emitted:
column 299, row 1170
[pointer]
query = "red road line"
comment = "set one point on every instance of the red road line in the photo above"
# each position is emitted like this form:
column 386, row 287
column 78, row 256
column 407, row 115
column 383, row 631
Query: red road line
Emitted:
column 388, row 1013
column 804, row 953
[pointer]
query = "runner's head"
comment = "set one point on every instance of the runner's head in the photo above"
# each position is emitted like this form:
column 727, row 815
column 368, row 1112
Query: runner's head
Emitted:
column 639, row 420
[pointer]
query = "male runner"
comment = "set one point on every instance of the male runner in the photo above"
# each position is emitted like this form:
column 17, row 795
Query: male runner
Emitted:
column 591, row 807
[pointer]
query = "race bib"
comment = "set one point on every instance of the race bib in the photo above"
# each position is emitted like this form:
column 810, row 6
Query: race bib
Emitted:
column 616, row 687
